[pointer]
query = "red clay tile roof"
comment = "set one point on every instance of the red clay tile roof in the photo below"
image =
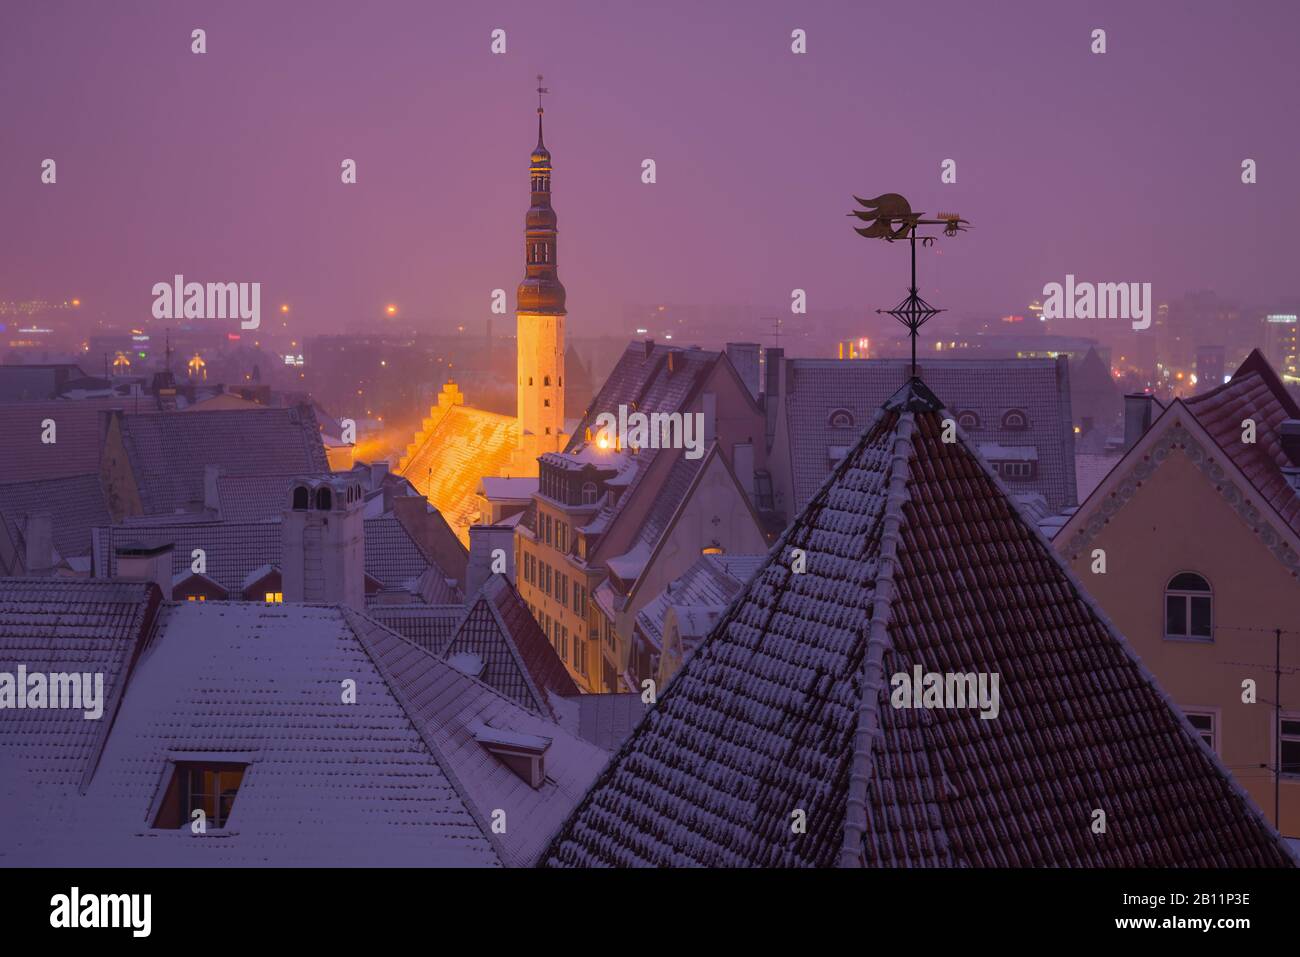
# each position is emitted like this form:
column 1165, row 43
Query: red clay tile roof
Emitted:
column 762, row 720
column 1254, row 392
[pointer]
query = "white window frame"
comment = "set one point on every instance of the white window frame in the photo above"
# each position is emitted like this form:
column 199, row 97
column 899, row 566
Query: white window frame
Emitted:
column 1216, row 730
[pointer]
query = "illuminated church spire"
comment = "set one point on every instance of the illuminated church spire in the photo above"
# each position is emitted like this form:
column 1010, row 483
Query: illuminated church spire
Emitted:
column 540, row 313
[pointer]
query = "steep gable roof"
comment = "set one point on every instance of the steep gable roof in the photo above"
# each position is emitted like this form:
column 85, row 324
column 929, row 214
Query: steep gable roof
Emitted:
column 517, row 659
column 168, row 451
column 915, row 557
column 456, row 713
column 329, row 781
column 457, row 447
column 1254, row 392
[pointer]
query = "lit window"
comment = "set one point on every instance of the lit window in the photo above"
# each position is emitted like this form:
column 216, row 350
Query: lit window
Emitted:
column 1206, row 726
column 274, row 597
column 1189, row 607
column 711, row 550
column 210, row 788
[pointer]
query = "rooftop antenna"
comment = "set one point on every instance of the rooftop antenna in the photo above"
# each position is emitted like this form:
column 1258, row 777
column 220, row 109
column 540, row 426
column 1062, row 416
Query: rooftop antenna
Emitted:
column 891, row 218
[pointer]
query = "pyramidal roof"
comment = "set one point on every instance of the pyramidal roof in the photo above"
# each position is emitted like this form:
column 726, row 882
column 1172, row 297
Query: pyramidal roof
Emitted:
column 778, row 743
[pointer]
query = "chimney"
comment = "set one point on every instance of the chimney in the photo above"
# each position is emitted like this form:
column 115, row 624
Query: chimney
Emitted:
column 146, row 563
column 744, row 357
column 484, row 541
column 649, row 348
column 211, row 497
column 1289, row 433
column 38, row 539
column 323, row 553
column 772, row 390
column 1138, row 415
column 742, row 463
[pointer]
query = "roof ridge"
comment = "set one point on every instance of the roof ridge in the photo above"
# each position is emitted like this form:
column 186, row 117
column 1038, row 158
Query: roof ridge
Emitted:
column 868, row 716
column 360, row 631
column 1251, row 807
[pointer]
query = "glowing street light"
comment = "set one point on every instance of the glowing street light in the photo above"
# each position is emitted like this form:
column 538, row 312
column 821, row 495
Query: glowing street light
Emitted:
column 391, row 309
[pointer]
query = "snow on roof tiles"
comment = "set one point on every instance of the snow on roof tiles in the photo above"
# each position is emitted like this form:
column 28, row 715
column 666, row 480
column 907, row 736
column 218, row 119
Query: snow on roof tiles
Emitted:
column 59, row 625
column 78, row 445
column 432, row 627
column 168, row 451
column 460, row 445
column 761, row 720
column 518, row 660
column 816, row 388
column 1253, row 393
column 328, row 782
column 76, row 504
column 234, row 550
column 711, row 582
column 456, row 713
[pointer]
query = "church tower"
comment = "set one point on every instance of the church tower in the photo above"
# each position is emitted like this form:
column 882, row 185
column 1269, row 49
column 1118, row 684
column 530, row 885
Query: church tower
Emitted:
column 540, row 314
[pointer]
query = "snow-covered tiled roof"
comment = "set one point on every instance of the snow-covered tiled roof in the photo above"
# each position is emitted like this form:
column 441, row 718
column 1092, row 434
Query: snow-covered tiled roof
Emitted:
column 915, row 557
column 76, row 505
column 817, row 388
column 603, row 719
column 328, row 781
column 711, row 582
column 168, row 452
column 234, row 550
column 78, row 438
column 60, row 625
column 432, row 627
column 458, row 715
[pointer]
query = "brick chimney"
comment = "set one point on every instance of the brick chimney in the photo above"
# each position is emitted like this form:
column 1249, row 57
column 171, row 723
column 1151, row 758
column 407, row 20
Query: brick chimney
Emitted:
column 38, row 542
column 146, row 563
column 1139, row 413
column 323, row 553
column 483, row 541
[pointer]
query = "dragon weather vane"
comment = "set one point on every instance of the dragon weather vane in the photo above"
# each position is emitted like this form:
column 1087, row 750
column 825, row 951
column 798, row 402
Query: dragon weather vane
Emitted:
column 891, row 217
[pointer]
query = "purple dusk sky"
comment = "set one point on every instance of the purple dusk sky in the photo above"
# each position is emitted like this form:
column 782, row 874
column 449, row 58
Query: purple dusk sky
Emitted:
column 225, row 167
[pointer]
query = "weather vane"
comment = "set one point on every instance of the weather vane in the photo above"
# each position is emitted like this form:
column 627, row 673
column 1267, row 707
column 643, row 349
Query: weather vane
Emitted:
column 891, row 218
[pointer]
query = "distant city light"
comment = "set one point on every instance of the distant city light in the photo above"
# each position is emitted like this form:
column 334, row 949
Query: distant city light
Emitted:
column 76, row 302
column 642, row 332
column 284, row 307
column 1280, row 317
column 391, row 309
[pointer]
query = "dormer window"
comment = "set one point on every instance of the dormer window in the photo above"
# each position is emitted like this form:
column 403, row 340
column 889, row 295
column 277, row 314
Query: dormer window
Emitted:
column 301, row 498
column 524, row 754
column 968, row 421
column 324, row 499
column 1015, row 420
column 840, row 419
column 589, row 493
column 207, row 786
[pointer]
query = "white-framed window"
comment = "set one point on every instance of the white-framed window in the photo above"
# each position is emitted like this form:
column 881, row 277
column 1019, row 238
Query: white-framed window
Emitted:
column 968, row 420
column 1206, row 723
column 589, row 493
column 1189, row 608
column 1289, row 730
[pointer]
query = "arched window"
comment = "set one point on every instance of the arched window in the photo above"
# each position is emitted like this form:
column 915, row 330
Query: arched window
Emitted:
column 301, row 498
column 968, row 421
column 589, row 493
column 840, row 419
column 546, row 380
column 324, row 500
column 1189, row 607
column 1015, row 420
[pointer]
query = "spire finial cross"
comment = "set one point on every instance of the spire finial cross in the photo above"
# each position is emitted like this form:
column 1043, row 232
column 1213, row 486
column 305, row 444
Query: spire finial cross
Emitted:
column 540, row 90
